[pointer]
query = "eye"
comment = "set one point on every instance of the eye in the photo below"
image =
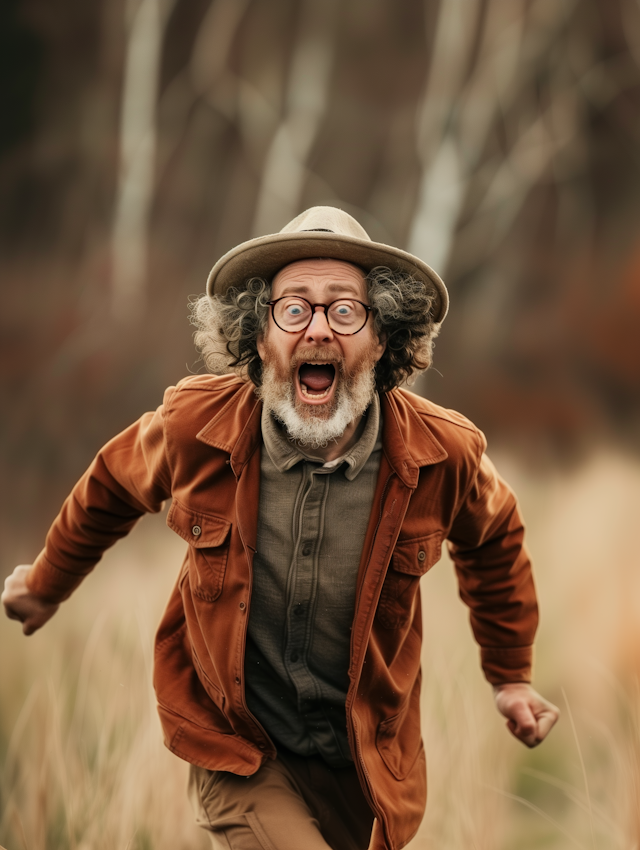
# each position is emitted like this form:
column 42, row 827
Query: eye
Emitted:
column 343, row 312
column 295, row 310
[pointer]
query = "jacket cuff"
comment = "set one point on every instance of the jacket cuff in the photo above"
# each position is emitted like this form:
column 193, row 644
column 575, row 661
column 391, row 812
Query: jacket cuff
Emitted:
column 51, row 583
column 503, row 665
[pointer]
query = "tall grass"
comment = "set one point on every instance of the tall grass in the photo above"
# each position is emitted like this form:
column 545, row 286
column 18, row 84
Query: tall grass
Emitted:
column 84, row 767
column 84, row 764
column 581, row 787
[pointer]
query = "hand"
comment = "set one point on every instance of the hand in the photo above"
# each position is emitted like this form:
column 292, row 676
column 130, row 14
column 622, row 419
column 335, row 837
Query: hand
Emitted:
column 530, row 717
column 20, row 604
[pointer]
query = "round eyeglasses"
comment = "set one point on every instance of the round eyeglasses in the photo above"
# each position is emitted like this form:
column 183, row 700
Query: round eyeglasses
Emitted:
column 345, row 316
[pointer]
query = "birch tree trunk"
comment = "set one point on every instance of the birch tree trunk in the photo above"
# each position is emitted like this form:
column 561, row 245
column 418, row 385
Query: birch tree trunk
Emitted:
column 136, row 172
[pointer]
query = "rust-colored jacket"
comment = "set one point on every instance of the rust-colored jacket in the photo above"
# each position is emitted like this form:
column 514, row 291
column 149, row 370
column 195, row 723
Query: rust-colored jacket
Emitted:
column 202, row 449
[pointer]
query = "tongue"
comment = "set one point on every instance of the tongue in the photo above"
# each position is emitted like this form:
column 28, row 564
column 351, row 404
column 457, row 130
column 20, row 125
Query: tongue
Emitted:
column 317, row 377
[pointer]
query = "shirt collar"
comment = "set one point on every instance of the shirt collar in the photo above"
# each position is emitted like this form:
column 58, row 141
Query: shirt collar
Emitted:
column 284, row 454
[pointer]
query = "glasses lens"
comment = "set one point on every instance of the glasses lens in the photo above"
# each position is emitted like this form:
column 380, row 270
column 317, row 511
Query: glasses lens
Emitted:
column 292, row 314
column 346, row 316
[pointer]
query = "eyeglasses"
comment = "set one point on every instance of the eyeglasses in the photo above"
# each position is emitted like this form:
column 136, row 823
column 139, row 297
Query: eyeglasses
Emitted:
column 293, row 314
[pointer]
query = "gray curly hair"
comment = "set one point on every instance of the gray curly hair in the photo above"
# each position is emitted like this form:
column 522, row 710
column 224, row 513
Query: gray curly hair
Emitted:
column 228, row 326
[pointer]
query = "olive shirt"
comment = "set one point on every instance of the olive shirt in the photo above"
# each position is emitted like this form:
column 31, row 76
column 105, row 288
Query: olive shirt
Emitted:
column 312, row 523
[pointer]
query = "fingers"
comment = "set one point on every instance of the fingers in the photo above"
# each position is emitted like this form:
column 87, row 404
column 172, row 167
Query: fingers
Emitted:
column 20, row 604
column 13, row 590
column 530, row 717
column 14, row 586
column 523, row 725
column 37, row 615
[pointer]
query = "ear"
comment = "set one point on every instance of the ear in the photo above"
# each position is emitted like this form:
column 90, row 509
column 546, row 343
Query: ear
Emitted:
column 261, row 346
column 379, row 347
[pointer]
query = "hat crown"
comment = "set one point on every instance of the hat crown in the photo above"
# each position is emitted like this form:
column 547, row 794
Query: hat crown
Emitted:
column 328, row 219
column 319, row 232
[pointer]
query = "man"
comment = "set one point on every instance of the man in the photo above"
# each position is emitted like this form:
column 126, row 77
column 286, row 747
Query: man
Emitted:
column 313, row 494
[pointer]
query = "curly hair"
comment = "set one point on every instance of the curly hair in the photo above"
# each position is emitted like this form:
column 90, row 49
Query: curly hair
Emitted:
column 228, row 326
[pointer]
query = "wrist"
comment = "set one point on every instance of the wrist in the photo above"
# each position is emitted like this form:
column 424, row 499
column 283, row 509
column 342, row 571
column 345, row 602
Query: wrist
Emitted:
column 511, row 686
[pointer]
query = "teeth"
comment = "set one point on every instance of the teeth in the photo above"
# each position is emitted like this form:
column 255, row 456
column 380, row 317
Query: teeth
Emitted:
column 306, row 392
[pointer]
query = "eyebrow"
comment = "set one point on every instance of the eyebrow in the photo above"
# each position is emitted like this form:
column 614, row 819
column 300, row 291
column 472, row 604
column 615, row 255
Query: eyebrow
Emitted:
column 292, row 289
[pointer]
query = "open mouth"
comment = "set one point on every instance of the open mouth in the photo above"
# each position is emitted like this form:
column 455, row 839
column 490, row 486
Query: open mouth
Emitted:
column 316, row 380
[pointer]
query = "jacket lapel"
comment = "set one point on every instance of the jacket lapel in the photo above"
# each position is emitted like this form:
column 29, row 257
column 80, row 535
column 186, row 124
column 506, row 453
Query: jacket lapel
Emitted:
column 236, row 430
column 407, row 441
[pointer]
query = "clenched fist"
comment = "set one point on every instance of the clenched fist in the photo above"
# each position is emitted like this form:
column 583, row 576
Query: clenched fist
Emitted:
column 530, row 717
column 20, row 604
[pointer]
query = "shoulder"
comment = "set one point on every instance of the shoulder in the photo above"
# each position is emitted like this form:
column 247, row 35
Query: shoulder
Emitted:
column 434, row 413
column 195, row 400
column 455, row 432
column 212, row 385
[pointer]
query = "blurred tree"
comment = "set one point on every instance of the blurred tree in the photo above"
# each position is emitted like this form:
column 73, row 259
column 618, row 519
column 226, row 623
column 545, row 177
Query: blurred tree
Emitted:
column 20, row 60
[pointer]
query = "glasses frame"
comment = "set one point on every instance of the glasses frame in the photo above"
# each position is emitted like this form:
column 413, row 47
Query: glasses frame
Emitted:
column 325, row 307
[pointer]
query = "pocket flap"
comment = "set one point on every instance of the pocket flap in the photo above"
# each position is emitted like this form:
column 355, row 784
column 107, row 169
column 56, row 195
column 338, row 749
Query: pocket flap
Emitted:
column 418, row 555
column 198, row 529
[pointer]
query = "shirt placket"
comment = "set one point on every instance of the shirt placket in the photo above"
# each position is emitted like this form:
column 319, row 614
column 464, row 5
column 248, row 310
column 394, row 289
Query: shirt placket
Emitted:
column 303, row 582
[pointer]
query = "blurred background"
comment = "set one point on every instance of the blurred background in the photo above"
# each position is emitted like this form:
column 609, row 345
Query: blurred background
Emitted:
column 496, row 139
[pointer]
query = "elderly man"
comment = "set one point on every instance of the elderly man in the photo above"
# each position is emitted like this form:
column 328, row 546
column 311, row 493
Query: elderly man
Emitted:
column 313, row 494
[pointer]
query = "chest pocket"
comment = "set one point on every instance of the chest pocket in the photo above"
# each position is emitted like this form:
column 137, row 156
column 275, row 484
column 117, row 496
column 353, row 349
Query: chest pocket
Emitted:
column 411, row 559
column 208, row 539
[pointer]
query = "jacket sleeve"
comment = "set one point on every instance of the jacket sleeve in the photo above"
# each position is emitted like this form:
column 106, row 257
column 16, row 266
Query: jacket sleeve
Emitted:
column 486, row 543
column 129, row 477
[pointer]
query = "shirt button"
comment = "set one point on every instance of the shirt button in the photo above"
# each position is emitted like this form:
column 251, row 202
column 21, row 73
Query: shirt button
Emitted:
column 196, row 531
column 298, row 611
column 421, row 555
column 306, row 549
column 242, row 606
column 237, row 680
column 261, row 746
column 294, row 657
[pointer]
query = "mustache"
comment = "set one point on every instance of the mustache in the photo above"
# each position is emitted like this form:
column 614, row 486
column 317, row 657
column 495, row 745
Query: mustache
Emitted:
column 315, row 355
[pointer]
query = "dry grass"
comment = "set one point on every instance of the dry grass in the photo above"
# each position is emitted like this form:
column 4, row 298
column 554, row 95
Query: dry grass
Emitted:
column 581, row 788
column 84, row 764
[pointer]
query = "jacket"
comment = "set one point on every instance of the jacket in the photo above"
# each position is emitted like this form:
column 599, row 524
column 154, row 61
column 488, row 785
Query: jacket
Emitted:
column 201, row 448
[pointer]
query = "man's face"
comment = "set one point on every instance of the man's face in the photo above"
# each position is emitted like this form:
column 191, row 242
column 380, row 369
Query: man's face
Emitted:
column 317, row 369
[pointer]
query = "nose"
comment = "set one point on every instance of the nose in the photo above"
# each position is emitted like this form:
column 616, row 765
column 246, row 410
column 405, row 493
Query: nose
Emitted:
column 318, row 329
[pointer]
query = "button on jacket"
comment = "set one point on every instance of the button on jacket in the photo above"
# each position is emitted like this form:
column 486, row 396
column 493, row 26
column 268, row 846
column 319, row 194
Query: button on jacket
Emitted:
column 202, row 449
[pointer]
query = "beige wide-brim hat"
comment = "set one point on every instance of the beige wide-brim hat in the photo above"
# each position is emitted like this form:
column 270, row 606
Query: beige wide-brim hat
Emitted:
column 319, row 232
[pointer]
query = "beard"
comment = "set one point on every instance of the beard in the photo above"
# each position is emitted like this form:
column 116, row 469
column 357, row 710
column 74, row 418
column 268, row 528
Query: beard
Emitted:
column 317, row 425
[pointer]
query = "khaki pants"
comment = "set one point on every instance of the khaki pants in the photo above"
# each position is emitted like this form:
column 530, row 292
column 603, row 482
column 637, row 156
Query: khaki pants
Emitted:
column 291, row 803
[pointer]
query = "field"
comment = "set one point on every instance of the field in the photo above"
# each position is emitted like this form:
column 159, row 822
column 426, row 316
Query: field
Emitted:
column 84, row 768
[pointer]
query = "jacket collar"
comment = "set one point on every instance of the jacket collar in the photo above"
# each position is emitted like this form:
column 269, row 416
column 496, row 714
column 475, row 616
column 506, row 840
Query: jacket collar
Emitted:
column 236, row 430
column 404, row 428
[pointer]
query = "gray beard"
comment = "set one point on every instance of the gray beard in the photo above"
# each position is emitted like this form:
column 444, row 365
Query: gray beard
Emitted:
column 316, row 427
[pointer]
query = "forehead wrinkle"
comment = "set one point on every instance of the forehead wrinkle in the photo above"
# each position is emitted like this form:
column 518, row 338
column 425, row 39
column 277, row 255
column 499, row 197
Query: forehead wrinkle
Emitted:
column 320, row 270
column 305, row 289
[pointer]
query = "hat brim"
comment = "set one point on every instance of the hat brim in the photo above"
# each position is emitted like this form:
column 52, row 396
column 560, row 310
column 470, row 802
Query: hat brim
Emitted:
column 266, row 255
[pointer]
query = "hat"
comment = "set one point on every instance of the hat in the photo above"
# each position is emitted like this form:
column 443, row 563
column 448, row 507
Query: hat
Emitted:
column 318, row 232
